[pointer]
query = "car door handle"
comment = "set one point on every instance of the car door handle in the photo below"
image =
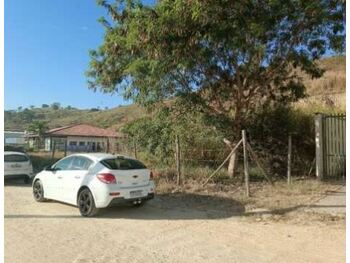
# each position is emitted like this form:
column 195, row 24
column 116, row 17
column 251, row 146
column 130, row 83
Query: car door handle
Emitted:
column 59, row 177
column 77, row 177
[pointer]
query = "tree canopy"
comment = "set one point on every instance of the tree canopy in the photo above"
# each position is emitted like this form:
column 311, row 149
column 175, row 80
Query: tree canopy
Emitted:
column 225, row 58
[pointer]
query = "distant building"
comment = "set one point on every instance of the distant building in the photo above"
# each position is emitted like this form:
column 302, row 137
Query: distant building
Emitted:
column 78, row 138
column 14, row 138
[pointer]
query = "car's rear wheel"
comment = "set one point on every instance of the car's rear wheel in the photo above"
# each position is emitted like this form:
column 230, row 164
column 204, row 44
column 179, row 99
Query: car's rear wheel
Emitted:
column 38, row 191
column 86, row 203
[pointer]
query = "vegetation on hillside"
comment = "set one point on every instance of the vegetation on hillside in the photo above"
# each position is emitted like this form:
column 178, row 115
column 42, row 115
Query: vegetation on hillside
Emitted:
column 111, row 118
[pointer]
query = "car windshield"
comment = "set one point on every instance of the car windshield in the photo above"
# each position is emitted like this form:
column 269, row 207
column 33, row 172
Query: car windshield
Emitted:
column 11, row 158
column 121, row 163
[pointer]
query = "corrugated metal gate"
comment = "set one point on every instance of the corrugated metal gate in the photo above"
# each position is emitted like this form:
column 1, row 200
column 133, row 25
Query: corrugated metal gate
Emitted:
column 330, row 146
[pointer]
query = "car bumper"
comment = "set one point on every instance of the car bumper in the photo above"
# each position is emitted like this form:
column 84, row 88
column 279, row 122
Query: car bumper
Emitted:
column 122, row 200
column 104, row 197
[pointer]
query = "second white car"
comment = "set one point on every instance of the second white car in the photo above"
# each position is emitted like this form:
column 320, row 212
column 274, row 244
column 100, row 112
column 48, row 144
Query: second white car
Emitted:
column 93, row 181
column 18, row 165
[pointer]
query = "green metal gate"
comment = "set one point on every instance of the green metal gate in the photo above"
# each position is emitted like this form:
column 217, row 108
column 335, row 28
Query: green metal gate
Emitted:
column 330, row 146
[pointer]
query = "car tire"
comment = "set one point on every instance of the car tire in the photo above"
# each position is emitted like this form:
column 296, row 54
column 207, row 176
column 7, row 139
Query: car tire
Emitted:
column 86, row 203
column 38, row 191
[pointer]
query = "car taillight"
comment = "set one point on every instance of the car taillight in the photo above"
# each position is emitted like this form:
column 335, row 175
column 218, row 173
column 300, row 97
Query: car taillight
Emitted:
column 106, row 178
column 151, row 176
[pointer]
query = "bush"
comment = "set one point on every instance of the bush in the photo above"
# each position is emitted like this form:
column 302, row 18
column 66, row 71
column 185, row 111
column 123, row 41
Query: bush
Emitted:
column 268, row 132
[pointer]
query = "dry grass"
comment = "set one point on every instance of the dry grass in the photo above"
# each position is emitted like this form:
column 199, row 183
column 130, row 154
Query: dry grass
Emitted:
column 326, row 94
column 333, row 80
column 333, row 103
column 280, row 198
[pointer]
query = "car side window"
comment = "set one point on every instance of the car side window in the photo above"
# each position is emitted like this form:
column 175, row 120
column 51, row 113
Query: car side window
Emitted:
column 81, row 163
column 63, row 164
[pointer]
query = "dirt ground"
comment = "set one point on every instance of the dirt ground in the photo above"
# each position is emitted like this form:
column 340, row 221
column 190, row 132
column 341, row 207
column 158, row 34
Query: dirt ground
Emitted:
column 170, row 228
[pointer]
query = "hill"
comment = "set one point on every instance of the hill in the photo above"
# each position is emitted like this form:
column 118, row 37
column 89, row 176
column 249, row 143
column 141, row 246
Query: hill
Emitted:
column 112, row 118
column 332, row 84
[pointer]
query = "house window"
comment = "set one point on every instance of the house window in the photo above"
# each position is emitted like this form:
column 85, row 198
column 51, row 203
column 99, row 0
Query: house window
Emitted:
column 72, row 143
column 81, row 143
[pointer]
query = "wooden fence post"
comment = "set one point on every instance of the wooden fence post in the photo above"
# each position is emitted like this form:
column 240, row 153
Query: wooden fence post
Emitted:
column 177, row 157
column 289, row 167
column 246, row 169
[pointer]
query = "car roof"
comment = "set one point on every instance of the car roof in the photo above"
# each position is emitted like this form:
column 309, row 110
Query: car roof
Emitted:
column 99, row 156
column 11, row 152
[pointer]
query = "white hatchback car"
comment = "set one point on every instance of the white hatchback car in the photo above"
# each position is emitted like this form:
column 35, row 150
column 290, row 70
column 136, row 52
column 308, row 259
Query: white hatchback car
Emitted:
column 95, row 180
column 17, row 165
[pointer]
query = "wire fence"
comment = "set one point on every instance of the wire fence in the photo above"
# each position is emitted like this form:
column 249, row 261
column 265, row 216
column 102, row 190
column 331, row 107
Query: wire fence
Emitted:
column 197, row 158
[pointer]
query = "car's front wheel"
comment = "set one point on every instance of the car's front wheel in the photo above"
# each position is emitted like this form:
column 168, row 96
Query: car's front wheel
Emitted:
column 86, row 203
column 38, row 191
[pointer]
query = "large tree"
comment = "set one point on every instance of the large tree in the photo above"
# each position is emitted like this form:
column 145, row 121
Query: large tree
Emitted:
column 224, row 58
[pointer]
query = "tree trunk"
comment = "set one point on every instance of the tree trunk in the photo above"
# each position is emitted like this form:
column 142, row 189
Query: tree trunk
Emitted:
column 232, row 165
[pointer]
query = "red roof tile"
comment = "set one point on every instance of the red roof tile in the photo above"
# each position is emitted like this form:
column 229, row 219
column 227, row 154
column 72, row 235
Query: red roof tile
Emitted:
column 82, row 130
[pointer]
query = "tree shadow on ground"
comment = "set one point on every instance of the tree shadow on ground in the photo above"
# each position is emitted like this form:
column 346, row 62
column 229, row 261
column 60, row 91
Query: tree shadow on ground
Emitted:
column 183, row 206
column 177, row 206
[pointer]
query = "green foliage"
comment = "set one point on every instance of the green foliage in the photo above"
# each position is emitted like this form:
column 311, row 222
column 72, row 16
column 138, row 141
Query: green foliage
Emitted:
column 230, row 58
column 38, row 127
column 45, row 106
column 268, row 133
column 156, row 136
column 56, row 105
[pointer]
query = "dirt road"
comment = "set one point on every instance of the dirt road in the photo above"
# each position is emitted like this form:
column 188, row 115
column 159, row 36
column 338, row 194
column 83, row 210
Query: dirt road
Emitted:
column 180, row 228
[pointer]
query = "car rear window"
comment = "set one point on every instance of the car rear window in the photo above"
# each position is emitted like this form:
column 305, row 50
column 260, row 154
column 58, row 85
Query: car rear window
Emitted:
column 9, row 158
column 123, row 164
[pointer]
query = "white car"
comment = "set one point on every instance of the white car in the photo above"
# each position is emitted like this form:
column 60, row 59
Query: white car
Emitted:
column 18, row 166
column 95, row 180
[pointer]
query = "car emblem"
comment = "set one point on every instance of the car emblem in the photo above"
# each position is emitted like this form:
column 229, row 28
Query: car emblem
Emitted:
column 135, row 176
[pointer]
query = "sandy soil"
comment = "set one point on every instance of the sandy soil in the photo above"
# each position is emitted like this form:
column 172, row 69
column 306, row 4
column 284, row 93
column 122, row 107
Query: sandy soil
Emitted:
column 178, row 228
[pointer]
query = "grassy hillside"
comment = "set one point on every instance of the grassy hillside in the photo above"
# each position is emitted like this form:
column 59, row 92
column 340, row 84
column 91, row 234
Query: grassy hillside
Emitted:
column 326, row 94
column 112, row 118
column 333, row 80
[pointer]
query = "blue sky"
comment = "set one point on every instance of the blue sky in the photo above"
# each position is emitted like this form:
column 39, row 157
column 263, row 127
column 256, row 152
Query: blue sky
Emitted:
column 46, row 53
